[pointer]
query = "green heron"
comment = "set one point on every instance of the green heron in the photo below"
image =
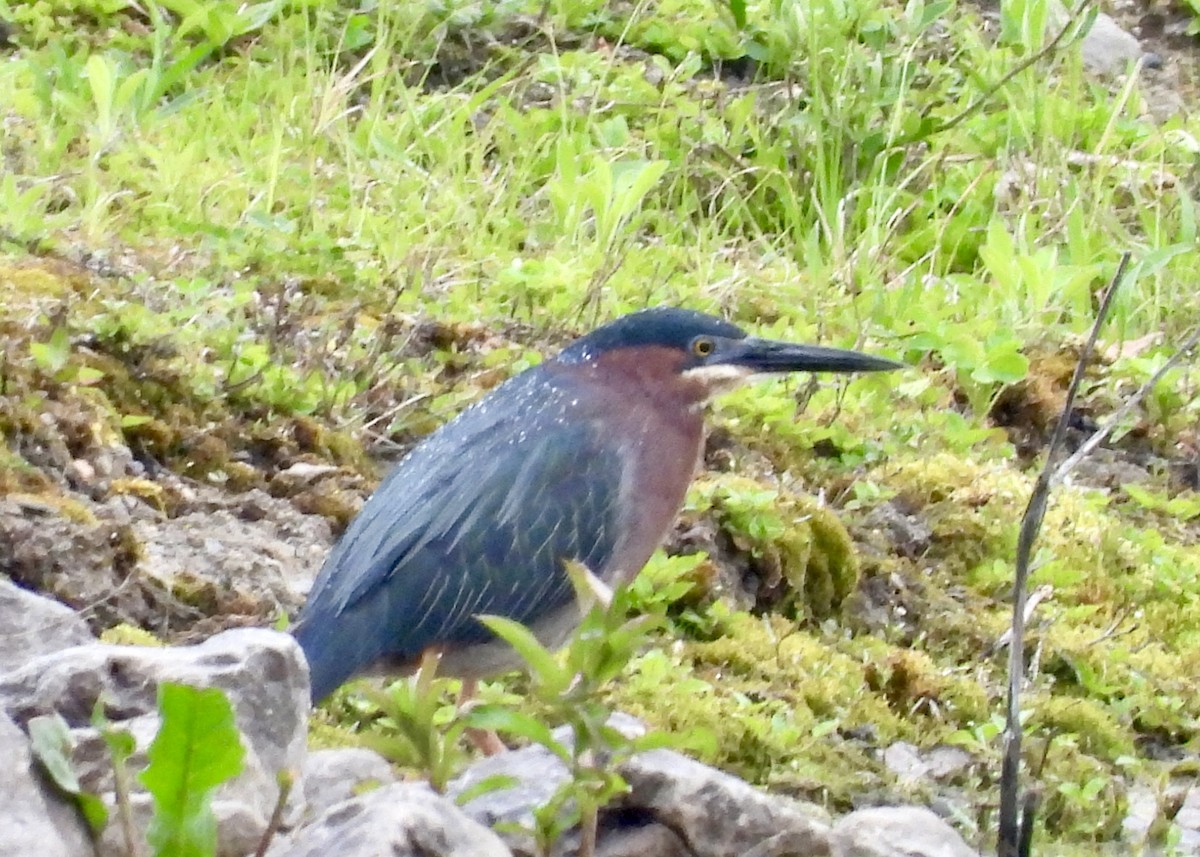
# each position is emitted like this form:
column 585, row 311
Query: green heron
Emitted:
column 585, row 457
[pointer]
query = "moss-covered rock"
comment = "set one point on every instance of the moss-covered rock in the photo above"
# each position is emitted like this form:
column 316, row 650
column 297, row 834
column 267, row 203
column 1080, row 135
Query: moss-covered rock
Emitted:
column 800, row 551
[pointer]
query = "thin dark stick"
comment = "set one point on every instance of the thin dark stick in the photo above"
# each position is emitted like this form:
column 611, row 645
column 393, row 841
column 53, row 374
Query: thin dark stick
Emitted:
column 1010, row 825
column 1028, row 813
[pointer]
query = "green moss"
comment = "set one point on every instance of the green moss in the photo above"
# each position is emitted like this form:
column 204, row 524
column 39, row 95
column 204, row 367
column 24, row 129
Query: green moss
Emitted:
column 52, row 500
column 912, row 683
column 327, row 732
column 18, row 476
column 153, row 493
column 1086, row 722
column 763, row 731
column 154, row 437
column 1083, row 798
column 971, row 508
column 204, row 454
column 241, row 476
column 197, row 592
column 130, row 635
column 329, row 501
column 795, row 541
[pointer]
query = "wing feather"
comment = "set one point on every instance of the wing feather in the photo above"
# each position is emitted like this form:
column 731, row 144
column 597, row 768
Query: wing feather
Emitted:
column 447, row 537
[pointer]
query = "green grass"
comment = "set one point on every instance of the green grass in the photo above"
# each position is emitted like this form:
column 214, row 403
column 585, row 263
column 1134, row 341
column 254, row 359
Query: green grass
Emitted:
column 257, row 207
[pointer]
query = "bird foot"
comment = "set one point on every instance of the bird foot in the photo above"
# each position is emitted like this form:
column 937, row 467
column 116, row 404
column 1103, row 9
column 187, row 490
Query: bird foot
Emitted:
column 486, row 741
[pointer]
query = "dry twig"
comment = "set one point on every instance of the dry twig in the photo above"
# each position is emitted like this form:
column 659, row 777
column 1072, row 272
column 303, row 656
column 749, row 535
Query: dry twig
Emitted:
column 1016, row 815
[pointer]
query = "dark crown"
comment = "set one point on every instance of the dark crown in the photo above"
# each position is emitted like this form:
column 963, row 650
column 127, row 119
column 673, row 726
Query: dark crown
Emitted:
column 670, row 327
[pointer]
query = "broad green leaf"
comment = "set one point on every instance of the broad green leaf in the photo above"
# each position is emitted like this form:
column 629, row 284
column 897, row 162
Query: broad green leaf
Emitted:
column 50, row 739
column 52, row 356
column 100, row 80
column 197, row 748
column 542, row 665
column 738, row 9
column 1006, row 366
column 494, row 783
column 87, row 376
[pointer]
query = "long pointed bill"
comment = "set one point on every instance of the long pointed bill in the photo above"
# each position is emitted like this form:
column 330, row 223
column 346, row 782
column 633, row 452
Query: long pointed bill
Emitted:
column 766, row 356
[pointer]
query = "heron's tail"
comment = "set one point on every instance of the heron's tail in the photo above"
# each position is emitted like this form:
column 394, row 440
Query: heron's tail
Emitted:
column 328, row 666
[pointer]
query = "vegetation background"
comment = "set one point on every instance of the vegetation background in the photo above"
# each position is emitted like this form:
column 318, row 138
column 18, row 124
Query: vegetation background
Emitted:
column 327, row 226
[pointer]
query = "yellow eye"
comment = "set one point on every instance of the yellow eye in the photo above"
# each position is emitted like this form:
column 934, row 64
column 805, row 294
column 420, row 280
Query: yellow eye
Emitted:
column 703, row 347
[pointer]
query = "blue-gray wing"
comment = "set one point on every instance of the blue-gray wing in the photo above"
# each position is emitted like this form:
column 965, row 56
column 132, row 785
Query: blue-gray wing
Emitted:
column 449, row 536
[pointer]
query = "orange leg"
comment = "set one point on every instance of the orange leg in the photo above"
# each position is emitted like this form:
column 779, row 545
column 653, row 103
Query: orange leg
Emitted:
column 485, row 740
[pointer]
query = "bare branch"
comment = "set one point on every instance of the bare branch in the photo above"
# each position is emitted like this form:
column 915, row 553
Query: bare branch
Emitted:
column 1015, row 822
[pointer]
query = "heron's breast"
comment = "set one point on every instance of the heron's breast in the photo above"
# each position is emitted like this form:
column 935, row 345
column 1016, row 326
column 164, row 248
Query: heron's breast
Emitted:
column 664, row 454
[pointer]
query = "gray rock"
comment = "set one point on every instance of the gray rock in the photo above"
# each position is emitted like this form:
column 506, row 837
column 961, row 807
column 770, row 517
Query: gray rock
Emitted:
column 35, row 819
column 258, row 563
column 907, row 533
column 946, row 762
column 718, row 815
column 400, row 820
column 687, row 807
column 910, row 764
column 332, row 776
column 897, row 831
column 31, row 625
column 536, row 773
column 1106, row 48
column 262, row 672
column 904, row 760
column 1142, row 811
column 1187, row 824
column 228, row 556
column 655, row 840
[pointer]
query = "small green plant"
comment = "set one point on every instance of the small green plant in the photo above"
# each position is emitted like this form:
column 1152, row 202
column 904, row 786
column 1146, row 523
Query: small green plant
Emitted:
column 566, row 690
column 54, row 358
column 197, row 748
column 121, row 746
column 50, row 739
column 222, row 21
column 1185, row 507
column 419, row 726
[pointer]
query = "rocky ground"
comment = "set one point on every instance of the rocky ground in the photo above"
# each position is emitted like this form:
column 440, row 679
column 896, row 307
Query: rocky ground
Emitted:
column 350, row 801
column 204, row 519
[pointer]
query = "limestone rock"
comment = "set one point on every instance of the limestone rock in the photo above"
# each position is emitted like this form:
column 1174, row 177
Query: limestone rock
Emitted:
column 220, row 558
column 536, row 773
column 1106, row 48
column 332, row 776
column 911, row 764
column 897, row 831
column 35, row 819
column 1143, row 811
column 32, row 625
column 262, row 672
column 716, row 814
column 687, row 807
column 641, row 840
column 1187, row 823
column 400, row 820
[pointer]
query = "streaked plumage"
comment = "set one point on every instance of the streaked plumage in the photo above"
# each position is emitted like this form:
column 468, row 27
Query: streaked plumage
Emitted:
column 586, row 457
